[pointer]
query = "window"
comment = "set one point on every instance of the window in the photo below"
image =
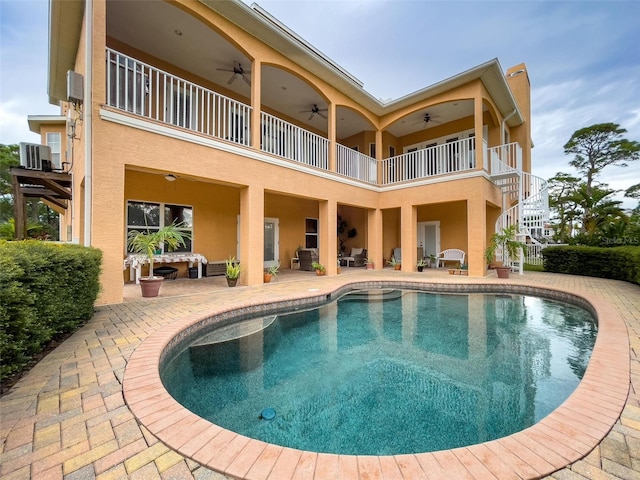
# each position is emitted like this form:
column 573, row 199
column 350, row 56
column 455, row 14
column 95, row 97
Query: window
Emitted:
column 152, row 217
column 311, row 233
column 54, row 142
column 392, row 151
column 372, row 150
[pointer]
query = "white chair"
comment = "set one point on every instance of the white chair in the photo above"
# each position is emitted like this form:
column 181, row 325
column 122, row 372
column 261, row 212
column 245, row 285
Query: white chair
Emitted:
column 450, row 255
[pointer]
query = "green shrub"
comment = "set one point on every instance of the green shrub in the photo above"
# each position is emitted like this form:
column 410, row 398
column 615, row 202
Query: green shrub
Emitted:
column 617, row 263
column 46, row 289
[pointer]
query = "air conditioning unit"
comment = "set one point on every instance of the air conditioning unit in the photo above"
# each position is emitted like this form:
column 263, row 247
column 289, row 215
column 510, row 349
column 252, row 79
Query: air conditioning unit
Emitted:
column 35, row 157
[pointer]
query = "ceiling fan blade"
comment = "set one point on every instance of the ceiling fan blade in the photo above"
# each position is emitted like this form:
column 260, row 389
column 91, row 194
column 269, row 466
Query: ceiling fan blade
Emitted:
column 322, row 115
column 246, row 80
column 224, row 69
column 311, row 116
column 231, row 80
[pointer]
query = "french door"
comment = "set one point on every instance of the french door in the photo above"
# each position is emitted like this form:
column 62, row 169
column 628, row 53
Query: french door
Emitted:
column 429, row 237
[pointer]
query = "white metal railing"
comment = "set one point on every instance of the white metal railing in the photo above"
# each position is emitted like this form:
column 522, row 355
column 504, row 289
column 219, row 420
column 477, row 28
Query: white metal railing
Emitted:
column 443, row 159
column 141, row 89
column 505, row 158
column 530, row 214
column 294, row 143
column 353, row 164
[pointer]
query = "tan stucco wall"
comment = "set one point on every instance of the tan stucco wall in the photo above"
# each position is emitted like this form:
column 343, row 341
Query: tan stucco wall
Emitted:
column 130, row 163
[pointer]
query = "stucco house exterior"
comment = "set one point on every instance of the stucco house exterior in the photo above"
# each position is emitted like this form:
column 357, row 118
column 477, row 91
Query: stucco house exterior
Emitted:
column 214, row 113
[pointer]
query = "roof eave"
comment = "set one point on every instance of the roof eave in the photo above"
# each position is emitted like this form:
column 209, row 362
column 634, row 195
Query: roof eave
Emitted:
column 37, row 121
column 65, row 27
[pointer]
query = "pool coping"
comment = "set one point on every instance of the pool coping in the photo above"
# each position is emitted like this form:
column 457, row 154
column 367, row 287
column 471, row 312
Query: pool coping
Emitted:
column 568, row 434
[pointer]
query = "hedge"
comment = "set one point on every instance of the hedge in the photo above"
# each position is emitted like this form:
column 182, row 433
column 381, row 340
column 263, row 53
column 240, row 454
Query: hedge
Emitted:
column 617, row 263
column 46, row 289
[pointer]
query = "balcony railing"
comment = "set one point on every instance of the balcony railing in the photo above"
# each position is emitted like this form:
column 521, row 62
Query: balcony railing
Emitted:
column 444, row 159
column 138, row 88
column 505, row 158
column 353, row 164
column 294, row 143
column 144, row 90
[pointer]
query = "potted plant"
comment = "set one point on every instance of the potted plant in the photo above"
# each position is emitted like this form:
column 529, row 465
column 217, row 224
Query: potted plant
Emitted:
column 233, row 271
column 432, row 261
column 369, row 263
column 271, row 272
column 319, row 268
column 421, row 264
column 505, row 240
column 396, row 264
column 148, row 243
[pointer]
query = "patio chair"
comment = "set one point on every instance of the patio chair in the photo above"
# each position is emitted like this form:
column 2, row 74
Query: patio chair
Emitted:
column 307, row 257
column 451, row 255
column 357, row 257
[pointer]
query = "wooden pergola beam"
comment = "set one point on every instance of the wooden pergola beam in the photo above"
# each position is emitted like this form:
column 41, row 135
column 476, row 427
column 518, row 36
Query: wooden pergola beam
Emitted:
column 19, row 209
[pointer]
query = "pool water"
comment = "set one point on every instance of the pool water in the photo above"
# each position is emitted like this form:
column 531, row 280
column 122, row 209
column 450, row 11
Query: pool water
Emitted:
column 388, row 372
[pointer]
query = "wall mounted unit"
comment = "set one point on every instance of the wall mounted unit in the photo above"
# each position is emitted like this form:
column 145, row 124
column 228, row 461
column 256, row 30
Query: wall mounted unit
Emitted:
column 35, row 157
column 75, row 88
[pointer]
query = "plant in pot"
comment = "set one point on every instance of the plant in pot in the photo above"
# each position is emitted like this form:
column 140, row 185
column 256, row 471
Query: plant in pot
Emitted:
column 369, row 263
column 271, row 272
column 432, row 261
column 504, row 242
column 148, row 243
column 319, row 268
column 421, row 264
column 396, row 264
column 232, row 272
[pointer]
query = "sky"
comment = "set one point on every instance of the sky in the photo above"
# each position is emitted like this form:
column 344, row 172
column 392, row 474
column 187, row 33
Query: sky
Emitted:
column 583, row 59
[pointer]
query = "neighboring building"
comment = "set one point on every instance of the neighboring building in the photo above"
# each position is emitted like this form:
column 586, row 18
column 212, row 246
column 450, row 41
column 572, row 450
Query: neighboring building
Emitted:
column 215, row 113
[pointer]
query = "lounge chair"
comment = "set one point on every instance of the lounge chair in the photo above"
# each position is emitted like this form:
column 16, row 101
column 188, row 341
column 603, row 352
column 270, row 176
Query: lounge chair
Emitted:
column 357, row 257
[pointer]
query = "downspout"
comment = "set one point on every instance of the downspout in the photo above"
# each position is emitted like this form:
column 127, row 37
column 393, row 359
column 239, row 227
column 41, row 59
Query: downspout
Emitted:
column 88, row 106
column 504, row 121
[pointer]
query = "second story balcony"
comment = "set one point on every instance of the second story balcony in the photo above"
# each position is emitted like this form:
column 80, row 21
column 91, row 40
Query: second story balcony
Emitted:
column 139, row 89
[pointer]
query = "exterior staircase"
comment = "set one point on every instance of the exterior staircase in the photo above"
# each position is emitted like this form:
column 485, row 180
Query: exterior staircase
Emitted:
column 525, row 202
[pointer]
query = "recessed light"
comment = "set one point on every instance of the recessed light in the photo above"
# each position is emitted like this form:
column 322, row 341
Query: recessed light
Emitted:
column 178, row 32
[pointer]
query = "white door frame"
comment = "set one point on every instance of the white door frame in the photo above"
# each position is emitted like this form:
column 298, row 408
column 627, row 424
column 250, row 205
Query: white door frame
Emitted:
column 422, row 239
column 276, row 241
column 276, row 247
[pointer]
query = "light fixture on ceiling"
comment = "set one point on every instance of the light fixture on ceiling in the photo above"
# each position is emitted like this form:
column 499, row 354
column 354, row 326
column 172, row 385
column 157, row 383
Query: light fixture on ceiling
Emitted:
column 178, row 32
column 170, row 177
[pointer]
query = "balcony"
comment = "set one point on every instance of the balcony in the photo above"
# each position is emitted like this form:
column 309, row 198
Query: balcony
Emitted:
column 139, row 89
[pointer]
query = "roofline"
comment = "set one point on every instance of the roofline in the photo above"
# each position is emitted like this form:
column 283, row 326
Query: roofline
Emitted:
column 65, row 25
column 37, row 121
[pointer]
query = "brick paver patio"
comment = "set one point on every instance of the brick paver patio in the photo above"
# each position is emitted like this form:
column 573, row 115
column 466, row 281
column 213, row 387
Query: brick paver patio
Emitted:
column 67, row 418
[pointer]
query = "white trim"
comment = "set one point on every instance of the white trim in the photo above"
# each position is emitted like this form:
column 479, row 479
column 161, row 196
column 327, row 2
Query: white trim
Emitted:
column 87, row 111
column 440, row 140
column 173, row 132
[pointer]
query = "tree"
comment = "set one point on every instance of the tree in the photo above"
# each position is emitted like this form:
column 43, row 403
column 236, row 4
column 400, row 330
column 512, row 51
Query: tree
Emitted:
column 595, row 148
column 562, row 188
column 9, row 157
column 599, row 146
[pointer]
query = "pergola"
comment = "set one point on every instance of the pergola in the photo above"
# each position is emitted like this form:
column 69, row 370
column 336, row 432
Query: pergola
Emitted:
column 52, row 187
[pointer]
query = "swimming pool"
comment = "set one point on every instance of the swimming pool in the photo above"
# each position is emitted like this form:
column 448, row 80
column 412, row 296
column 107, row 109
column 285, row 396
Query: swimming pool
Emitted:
column 566, row 435
column 387, row 372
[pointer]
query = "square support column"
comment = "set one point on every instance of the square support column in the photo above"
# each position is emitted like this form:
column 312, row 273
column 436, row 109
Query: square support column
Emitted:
column 251, row 235
column 409, row 237
column 374, row 237
column 256, row 101
column 328, row 226
column 478, row 121
column 476, row 236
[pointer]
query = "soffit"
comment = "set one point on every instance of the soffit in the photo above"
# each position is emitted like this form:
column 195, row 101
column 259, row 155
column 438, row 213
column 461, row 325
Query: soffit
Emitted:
column 65, row 26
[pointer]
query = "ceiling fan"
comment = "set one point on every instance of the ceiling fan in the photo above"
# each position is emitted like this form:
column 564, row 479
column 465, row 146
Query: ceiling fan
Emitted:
column 427, row 118
column 238, row 72
column 315, row 110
